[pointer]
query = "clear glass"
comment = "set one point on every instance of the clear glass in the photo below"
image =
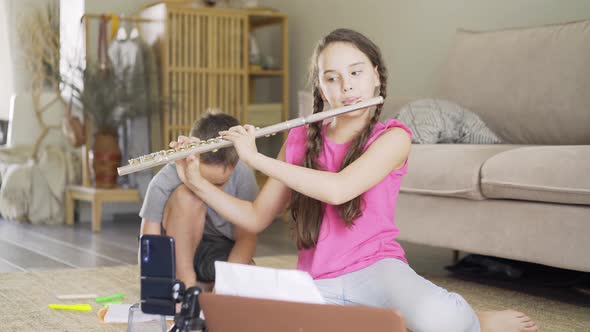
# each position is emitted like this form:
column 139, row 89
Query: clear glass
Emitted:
column 137, row 322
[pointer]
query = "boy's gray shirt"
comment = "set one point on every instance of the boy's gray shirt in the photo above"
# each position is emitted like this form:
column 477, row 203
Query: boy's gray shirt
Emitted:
column 242, row 184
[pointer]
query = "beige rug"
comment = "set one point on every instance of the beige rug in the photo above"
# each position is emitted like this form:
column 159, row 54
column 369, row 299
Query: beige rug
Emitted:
column 24, row 298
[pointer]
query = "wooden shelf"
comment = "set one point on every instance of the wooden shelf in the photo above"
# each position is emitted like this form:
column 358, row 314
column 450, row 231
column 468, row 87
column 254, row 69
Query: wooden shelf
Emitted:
column 266, row 72
column 262, row 18
column 263, row 115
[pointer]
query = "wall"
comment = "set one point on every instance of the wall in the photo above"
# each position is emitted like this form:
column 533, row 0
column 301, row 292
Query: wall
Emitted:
column 414, row 35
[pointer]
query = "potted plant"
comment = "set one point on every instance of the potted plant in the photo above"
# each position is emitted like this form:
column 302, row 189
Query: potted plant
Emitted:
column 108, row 101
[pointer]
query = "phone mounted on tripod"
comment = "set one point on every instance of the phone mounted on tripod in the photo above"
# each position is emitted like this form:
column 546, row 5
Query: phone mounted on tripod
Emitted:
column 161, row 291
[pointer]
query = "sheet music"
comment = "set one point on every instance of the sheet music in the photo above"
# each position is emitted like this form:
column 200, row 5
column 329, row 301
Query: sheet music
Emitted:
column 265, row 283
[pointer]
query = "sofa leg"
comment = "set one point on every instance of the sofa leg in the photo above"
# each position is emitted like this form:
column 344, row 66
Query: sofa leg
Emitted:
column 455, row 256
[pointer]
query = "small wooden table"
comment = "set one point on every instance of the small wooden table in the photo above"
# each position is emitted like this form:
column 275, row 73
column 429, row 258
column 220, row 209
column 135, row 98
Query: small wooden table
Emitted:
column 96, row 197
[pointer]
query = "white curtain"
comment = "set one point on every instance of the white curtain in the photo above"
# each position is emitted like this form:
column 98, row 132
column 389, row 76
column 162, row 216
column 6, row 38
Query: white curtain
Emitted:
column 6, row 70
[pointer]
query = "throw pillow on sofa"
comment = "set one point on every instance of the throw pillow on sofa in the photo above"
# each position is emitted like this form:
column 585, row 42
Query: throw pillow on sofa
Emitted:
column 441, row 121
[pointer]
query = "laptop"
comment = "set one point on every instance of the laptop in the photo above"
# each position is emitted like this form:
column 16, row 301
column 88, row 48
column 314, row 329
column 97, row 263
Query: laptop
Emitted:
column 225, row 313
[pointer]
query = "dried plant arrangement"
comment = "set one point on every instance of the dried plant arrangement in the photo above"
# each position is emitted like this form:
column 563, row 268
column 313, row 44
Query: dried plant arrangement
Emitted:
column 39, row 38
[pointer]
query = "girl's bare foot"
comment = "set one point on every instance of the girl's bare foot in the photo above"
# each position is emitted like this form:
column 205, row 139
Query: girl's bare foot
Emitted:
column 506, row 321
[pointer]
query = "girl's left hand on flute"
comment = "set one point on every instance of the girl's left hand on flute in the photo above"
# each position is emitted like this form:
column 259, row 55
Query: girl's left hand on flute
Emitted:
column 244, row 140
column 188, row 168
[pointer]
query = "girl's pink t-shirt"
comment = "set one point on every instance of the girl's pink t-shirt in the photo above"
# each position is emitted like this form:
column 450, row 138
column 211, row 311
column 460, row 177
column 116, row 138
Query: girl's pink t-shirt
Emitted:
column 340, row 249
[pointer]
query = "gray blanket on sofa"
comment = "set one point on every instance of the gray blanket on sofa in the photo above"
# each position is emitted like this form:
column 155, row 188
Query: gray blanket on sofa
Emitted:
column 441, row 121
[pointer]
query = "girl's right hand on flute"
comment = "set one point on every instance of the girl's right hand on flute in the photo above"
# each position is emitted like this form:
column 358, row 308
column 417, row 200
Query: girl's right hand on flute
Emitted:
column 188, row 169
column 244, row 140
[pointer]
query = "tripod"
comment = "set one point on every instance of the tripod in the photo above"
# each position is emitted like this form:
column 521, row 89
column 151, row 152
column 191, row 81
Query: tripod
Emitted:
column 188, row 318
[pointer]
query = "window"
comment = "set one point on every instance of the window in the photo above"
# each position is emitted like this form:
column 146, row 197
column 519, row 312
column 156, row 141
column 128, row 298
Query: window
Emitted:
column 6, row 83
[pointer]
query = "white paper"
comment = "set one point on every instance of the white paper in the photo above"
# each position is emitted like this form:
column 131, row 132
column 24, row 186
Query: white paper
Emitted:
column 76, row 296
column 265, row 283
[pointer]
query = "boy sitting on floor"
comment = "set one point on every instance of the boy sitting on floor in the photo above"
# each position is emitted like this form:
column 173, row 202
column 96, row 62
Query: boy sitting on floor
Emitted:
column 201, row 235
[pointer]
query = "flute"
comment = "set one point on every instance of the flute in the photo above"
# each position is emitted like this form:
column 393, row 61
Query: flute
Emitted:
column 213, row 144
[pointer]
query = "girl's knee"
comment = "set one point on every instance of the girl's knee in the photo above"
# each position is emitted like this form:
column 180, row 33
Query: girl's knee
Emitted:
column 448, row 312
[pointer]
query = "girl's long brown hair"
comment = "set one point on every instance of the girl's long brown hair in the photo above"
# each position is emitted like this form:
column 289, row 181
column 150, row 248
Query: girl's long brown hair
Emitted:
column 307, row 212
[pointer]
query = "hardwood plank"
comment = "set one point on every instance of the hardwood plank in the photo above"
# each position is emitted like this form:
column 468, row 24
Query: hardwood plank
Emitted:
column 55, row 249
column 27, row 259
column 6, row 266
column 124, row 234
column 80, row 237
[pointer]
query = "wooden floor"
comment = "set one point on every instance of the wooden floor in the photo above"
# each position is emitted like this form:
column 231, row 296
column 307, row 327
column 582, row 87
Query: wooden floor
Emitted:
column 25, row 247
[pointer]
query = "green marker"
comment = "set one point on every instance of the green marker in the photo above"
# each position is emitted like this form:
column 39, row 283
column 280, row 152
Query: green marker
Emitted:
column 109, row 303
column 109, row 298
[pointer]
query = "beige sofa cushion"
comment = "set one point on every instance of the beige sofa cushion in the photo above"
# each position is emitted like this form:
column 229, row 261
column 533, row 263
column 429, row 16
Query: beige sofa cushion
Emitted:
column 529, row 85
column 451, row 170
column 558, row 174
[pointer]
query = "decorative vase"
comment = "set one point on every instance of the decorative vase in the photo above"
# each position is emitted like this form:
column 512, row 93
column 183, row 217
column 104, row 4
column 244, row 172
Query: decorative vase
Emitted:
column 104, row 158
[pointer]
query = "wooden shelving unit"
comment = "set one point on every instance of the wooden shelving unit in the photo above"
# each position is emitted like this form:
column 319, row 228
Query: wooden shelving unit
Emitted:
column 204, row 56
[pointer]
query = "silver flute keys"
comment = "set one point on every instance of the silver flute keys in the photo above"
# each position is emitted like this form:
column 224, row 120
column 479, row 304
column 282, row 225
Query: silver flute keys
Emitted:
column 162, row 155
column 214, row 144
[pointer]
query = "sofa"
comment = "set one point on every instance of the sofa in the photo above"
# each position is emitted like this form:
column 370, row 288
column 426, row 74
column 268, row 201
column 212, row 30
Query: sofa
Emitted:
column 527, row 199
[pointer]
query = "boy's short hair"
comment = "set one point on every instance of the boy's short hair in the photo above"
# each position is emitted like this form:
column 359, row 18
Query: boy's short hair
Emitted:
column 208, row 126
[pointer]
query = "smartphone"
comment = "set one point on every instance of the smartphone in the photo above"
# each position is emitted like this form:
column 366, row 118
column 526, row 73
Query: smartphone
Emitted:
column 158, row 275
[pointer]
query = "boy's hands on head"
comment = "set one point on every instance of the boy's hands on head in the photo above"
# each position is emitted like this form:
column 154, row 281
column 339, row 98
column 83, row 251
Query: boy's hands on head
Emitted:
column 244, row 140
column 188, row 168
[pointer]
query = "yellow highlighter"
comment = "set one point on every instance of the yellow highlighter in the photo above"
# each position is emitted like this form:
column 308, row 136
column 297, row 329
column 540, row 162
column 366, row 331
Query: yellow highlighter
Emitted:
column 73, row 307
